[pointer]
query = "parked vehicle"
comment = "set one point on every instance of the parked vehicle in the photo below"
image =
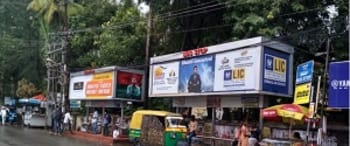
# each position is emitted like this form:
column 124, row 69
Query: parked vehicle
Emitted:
column 149, row 127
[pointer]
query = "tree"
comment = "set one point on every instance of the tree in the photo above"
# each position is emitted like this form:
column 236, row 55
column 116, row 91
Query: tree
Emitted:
column 122, row 42
column 19, row 47
column 83, row 52
column 26, row 89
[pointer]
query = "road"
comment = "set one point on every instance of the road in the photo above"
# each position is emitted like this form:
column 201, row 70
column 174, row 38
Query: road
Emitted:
column 13, row 136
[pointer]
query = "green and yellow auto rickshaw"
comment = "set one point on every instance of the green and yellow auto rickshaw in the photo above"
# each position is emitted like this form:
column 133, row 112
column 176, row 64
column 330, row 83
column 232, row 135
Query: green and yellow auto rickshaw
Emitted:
column 157, row 128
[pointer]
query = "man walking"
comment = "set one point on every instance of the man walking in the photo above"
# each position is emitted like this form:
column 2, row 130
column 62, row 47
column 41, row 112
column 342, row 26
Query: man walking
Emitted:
column 3, row 115
column 67, row 121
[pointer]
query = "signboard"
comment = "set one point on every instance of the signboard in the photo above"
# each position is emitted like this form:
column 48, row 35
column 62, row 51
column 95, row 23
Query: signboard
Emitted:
column 304, row 72
column 92, row 86
column 129, row 85
column 302, row 93
column 100, row 86
column 276, row 71
column 74, row 104
column 339, row 85
column 197, row 75
column 236, row 70
column 250, row 102
column 165, row 78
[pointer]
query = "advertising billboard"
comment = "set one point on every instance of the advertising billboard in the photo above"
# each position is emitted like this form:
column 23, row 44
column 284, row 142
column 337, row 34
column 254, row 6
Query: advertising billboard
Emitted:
column 165, row 78
column 276, row 71
column 302, row 93
column 249, row 66
column 339, row 85
column 92, row 86
column 197, row 75
column 304, row 72
column 236, row 70
column 129, row 85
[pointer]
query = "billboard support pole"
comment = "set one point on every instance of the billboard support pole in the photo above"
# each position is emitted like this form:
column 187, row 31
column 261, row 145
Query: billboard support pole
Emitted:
column 147, row 55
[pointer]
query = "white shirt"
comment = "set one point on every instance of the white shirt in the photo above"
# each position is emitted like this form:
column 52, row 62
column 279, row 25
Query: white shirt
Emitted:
column 67, row 118
column 94, row 117
column 3, row 112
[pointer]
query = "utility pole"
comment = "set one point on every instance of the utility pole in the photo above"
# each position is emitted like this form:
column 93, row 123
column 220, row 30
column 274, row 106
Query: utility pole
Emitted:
column 63, row 59
column 147, row 55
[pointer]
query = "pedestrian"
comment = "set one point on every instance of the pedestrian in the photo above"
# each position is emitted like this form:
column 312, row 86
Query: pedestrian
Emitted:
column 254, row 135
column 94, row 122
column 67, row 121
column 243, row 134
column 297, row 141
column 3, row 115
column 106, row 121
column 192, row 129
column 58, row 121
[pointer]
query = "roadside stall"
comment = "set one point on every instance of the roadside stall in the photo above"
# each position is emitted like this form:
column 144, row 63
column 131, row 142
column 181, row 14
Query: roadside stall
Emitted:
column 224, row 84
column 291, row 114
column 33, row 111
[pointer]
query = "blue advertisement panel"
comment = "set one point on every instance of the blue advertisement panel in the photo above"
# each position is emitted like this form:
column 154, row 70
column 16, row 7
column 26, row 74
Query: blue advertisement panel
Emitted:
column 197, row 75
column 339, row 85
column 276, row 71
column 304, row 72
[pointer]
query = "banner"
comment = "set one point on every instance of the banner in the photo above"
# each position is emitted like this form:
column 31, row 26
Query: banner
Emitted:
column 129, row 85
column 302, row 93
column 197, row 75
column 339, row 85
column 165, row 78
column 92, row 86
column 275, row 78
column 101, row 86
column 236, row 70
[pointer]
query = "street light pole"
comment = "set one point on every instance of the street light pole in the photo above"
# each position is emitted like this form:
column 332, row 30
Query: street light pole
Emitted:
column 325, row 77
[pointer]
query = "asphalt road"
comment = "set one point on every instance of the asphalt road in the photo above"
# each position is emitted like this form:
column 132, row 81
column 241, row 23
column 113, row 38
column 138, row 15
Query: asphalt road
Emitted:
column 14, row 136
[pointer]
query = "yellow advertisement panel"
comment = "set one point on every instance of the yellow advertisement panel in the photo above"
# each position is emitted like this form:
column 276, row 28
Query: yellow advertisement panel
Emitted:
column 101, row 86
column 302, row 93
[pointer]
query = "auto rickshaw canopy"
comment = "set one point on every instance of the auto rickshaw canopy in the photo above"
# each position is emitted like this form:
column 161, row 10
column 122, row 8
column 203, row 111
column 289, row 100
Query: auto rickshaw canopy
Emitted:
column 136, row 120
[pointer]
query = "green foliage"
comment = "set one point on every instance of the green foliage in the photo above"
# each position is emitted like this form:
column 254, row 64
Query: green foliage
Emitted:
column 26, row 89
column 123, row 44
column 83, row 52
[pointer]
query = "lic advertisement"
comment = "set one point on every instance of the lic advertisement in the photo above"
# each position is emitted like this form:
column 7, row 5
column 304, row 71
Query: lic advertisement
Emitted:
column 276, row 71
column 236, row 70
column 230, row 71
column 197, row 75
column 92, row 86
column 339, row 85
column 129, row 85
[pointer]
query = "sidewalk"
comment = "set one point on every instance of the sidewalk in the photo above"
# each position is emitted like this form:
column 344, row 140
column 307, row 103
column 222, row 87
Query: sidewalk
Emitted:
column 106, row 140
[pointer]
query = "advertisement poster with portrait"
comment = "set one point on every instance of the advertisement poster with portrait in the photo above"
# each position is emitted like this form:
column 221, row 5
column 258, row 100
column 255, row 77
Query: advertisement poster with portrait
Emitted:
column 236, row 70
column 129, row 85
column 92, row 86
column 197, row 75
column 276, row 71
column 165, row 78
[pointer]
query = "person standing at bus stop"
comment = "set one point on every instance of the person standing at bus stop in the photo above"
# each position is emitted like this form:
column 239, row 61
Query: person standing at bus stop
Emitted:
column 192, row 128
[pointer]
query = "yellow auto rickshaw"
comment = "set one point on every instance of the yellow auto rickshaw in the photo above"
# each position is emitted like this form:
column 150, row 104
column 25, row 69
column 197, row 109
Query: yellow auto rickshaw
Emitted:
column 157, row 128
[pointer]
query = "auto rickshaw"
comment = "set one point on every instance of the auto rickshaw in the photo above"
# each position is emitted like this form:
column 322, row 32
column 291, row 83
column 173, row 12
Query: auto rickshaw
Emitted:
column 157, row 128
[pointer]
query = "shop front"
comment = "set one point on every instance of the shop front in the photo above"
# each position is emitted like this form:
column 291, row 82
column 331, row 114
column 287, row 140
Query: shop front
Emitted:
column 226, row 84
